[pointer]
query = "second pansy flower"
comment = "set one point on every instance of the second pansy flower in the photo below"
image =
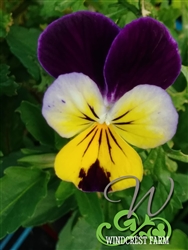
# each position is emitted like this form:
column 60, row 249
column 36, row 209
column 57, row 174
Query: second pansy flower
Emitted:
column 108, row 91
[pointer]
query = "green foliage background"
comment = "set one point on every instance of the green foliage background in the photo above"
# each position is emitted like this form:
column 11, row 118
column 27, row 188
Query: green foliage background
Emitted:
column 31, row 194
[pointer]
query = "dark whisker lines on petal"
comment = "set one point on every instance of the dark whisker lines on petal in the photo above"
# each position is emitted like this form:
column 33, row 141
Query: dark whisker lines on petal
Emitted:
column 84, row 124
column 93, row 111
column 122, row 123
column 87, row 135
column 100, row 138
column 98, row 131
column 90, row 142
column 119, row 117
column 121, row 128
column 109, row 146
column 135, row 133
column 127, row 112
column 87, row 182
column 114, row 139
column 87, row 118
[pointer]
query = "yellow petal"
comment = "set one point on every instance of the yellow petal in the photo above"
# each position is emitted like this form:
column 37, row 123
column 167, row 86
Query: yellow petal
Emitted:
column 96, row 157
column 72, row 103
column 144, row 117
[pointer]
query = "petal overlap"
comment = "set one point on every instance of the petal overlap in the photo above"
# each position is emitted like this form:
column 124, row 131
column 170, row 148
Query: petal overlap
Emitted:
column 144, row 52
column 145, row 116
column 78, row 42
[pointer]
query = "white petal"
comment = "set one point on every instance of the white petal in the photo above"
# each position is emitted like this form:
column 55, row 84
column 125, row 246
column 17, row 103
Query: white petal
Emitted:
column 72, row 103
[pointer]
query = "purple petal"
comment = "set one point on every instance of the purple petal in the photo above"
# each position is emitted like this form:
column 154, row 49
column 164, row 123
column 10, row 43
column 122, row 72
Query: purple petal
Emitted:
column 77, row 42
column 144, row 52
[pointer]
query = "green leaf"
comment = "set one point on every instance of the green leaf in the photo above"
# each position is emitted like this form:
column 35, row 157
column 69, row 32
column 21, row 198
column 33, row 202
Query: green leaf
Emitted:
column 181, row 137
column 176, row 4
column 82, row 237
column 47, row 210
column 35, row 150
column 5, row 22
column 96, row 4
column 1, row 155
column 35, row 123
column 149, row 163
column 131, row 7
column 60, row 142
column 184, row 70
column 48, row 9
column 45, row 81
column 156, row 166
column 9, row 6
column 21, row 190
column 12, row 128
column 90, row 207
column 64, row 190
column 73, row 5
column 171, row 165
column 23, row 44
column 175, row 154
column 182, row 179
column 178, row 241
column 163, row 175
column 168, row 15
column 57, row 7
column 40, row 161
column 65, row 235
column 9, row 160
column 7, row 84
column 178, row 98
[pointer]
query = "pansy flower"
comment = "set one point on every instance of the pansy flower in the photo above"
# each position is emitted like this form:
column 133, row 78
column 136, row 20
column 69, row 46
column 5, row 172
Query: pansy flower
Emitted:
column 108, row 95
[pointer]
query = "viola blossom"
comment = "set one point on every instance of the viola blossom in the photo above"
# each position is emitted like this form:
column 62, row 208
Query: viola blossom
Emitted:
column 108, row 93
